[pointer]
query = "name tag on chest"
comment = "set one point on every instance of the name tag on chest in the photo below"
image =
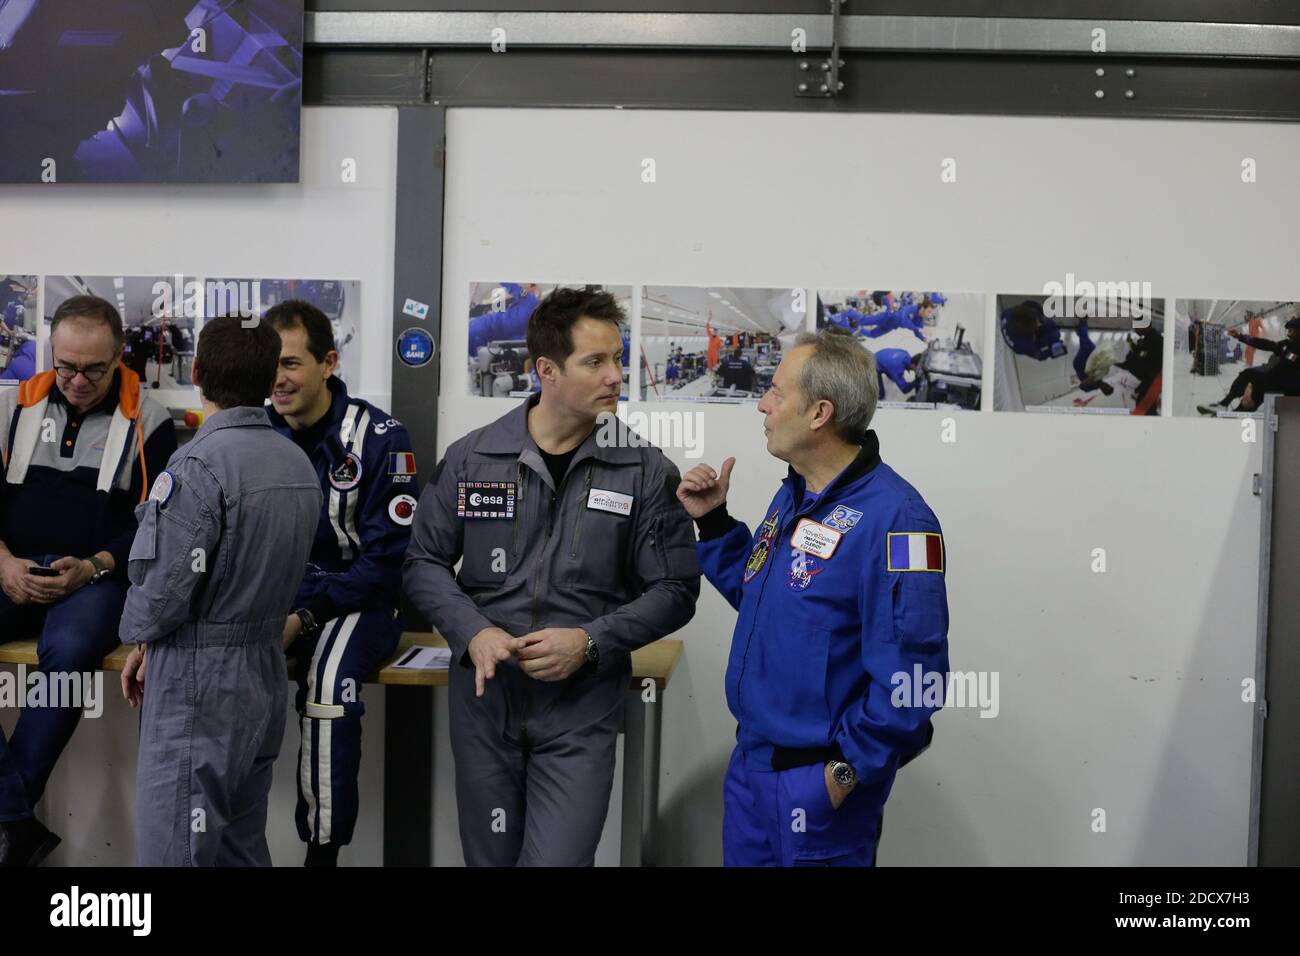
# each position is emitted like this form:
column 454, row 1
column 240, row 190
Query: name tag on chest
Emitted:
column 815, row 539
column 611, row 501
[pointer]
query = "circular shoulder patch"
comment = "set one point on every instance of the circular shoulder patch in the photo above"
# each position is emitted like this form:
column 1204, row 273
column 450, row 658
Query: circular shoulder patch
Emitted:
column 162, row 488
column 402, row 509
column 347, row 475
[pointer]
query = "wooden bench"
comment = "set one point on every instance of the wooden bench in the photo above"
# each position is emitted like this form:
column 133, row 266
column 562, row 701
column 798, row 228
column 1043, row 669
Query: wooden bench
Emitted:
column 409, row 746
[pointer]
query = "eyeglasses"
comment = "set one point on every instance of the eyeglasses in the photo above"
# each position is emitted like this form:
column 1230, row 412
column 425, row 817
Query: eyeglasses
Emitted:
column 93, row 373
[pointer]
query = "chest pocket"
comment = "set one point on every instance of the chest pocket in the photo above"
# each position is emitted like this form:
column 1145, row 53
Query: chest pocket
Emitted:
column 594, row 551
column 493, row 547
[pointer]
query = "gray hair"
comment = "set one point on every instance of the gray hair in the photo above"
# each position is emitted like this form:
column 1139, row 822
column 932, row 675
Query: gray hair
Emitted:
column 841, row 371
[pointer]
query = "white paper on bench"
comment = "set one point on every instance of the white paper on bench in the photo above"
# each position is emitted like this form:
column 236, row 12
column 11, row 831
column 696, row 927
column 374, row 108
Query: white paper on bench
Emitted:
column 425, row 659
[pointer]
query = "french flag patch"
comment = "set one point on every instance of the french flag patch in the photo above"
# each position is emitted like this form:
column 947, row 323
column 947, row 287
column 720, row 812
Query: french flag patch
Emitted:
column 921, row 551
column 401, row 463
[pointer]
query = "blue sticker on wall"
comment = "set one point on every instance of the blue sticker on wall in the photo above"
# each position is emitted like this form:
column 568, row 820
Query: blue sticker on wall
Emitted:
column 415, row 347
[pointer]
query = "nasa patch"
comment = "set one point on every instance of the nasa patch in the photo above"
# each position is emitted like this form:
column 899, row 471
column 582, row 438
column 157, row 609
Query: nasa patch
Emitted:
column 803, row 568
column 346, row 474
column 485, row 499
column 402, row 509
column 162, row 489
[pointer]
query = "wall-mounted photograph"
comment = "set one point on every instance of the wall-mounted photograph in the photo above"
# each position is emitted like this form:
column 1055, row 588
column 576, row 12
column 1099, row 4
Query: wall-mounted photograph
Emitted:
column 712, row 344
column 1063, row 360
column 929, row 346
column 1230, row 353
column 498, row 359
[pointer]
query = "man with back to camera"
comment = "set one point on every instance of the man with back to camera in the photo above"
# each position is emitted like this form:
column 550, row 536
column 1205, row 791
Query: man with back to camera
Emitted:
column 848, row 569
column 734, row 371
column 345, row 622
column 81, row 443
column 214, row 568
column 575, row 553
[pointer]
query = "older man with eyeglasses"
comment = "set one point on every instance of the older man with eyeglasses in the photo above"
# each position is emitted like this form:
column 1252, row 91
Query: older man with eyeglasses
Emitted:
column 79, row 447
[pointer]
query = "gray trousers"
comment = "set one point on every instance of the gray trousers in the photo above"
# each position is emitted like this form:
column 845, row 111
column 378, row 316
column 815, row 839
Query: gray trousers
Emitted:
column 210, row 731
column 534, row 765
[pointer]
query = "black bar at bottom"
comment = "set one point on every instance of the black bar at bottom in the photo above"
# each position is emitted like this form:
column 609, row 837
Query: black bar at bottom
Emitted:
column 408, row 776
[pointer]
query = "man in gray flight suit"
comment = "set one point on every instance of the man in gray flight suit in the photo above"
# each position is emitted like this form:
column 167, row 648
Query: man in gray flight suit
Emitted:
column 575, row 553
column 216, row 562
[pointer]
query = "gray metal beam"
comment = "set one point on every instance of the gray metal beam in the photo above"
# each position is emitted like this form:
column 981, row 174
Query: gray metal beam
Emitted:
column 756, row 31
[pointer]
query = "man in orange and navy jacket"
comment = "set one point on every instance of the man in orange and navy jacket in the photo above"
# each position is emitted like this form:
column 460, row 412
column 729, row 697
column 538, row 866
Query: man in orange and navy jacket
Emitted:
column 79, row 446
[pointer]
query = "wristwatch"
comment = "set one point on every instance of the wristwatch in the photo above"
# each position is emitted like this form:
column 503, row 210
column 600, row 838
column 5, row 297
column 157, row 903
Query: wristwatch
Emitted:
column 843, row 773
column 593, row 652
column 309, row 625
column 102, row 570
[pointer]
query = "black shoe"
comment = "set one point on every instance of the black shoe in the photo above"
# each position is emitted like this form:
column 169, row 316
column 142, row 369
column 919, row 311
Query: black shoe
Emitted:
column 25, row 843
column 322, row 854
column 1212, row 409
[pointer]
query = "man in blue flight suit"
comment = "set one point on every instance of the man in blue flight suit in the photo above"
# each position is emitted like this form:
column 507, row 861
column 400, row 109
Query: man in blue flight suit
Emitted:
column 213, row 566
column 1028, row 330
column 842, row 606
column 892, row 364
column 345, row 622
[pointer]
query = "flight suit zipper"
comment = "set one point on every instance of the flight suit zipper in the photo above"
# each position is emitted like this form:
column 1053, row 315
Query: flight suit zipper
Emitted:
column 519, row 508
column 762, row 585
column 582, row 510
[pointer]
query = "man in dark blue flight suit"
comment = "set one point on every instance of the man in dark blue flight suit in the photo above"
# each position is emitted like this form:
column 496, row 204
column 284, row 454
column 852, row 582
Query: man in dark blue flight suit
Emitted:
column 345, row 622
column 734, row 371
column 842, row 606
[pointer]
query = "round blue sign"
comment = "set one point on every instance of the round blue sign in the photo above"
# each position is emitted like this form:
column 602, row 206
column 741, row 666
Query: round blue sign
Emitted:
column 415, row 347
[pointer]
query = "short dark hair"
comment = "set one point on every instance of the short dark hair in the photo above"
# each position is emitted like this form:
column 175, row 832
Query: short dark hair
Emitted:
column 90, row 307
column 237, row 363
column 299, row 314
column 1022, row 319
column 550, row 327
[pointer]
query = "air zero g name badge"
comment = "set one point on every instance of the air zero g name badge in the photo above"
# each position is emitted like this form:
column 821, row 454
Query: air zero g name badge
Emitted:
column 485, row 499
column 619, row 504
column 346, row 474
column 816, row 539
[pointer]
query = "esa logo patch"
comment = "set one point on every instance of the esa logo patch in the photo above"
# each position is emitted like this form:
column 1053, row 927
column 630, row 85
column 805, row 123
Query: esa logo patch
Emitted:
column 402, row 509
column 485, row 499
column 346, row 474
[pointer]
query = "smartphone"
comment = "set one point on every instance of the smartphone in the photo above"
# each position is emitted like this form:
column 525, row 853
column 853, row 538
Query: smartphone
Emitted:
column 41, row 572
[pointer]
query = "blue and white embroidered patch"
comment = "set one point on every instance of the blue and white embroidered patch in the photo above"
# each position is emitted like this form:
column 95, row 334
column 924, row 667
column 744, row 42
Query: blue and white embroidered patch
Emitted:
column 162, row 489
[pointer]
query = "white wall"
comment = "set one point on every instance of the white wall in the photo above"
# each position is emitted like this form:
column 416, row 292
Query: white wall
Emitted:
column 1118, row 691
column 322, row 228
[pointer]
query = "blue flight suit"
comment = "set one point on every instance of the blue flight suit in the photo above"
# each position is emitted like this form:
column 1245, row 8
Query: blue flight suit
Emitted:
column 1043, row 344
column 893, row 363
column 508, row 323
column 1086, row 347
column 830, row 658
column 352, row 587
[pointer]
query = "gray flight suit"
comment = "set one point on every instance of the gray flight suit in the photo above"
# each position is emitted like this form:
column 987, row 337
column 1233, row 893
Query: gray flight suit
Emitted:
column 220, row 551
column 611, row 551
